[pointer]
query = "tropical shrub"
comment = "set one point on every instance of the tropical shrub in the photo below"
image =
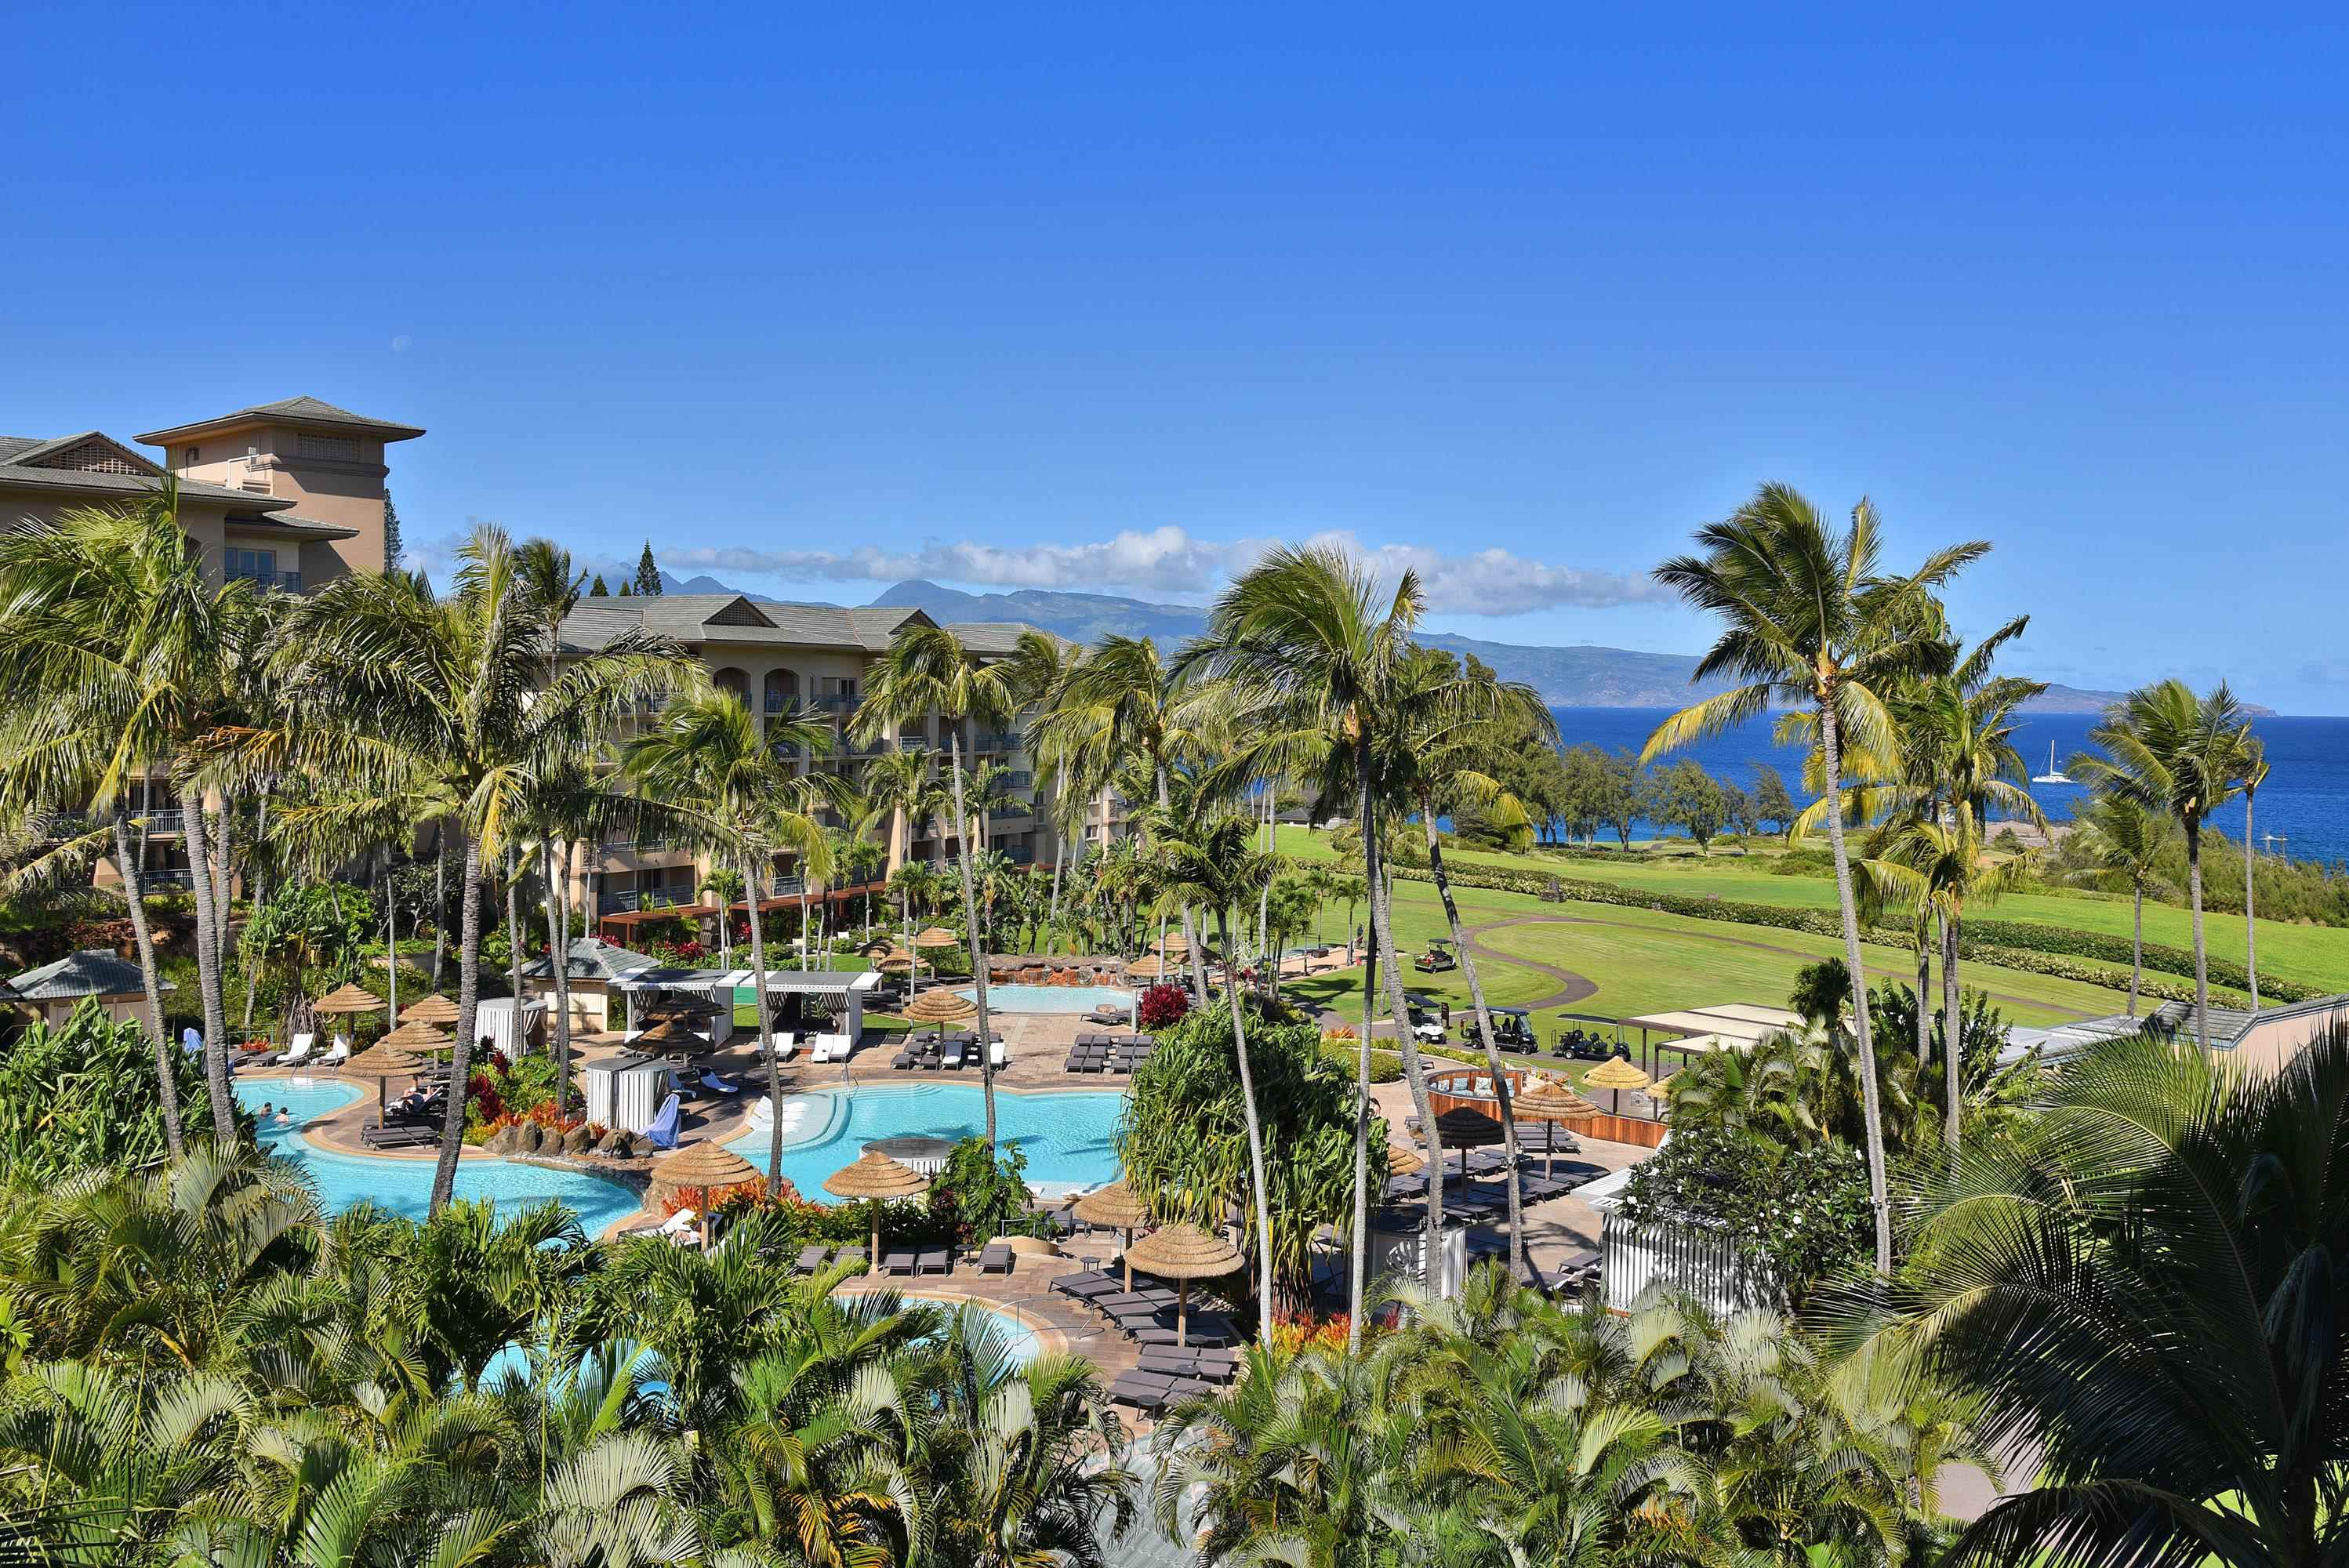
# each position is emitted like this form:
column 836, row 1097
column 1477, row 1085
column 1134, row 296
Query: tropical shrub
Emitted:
column 1794, row 1213
column 1184, row 1138
column 1162, row 1007
column 83, row 1094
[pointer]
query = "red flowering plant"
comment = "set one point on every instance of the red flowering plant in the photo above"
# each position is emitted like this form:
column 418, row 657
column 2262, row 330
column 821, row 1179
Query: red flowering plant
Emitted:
column 1163, row 1006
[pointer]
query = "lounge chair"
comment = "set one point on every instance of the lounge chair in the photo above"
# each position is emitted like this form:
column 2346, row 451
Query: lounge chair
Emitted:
column 898, row 1262
column 995, row 1258
column 1200, row 1333
column 936, row 1261
column 811, row 1258
column 904, row 1061
column 1087, row 1283
column 298, row 1052
column 853, row 1257
column 711, row 1081
column 661, row 1132
column 950, row 1056
column 336, row 1053
column 996, row 1051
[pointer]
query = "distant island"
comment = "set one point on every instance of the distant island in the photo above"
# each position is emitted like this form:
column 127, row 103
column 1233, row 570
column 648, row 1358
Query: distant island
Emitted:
column 1582, row 677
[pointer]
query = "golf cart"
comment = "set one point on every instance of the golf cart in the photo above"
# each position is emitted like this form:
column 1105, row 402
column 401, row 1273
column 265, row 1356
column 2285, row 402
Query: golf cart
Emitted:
column 1431, row 1018
column 1438, row 957
column 1578, row 1044
column 1513, row 1029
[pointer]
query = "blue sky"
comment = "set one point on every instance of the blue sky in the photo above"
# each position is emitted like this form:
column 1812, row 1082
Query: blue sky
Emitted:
column 1095, row 297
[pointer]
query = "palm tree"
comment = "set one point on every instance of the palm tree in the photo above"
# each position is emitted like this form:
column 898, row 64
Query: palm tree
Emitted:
column 928, row 670
column 2155, row 1238
column 1449, row 729
column 2170, row 751
column 1811, row 620
column 1210, row 855
column 1312, row 655
column 2126, row 843
column 2253, row 766
column 114, row 656
column 437, row 708
column 727, row 884
column 1124, row 703
column 901, row 791
column 707, row 758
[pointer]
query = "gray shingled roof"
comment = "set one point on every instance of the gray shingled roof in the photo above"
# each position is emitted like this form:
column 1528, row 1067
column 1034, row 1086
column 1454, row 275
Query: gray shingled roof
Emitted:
column 690, row 618
column 592, row 960
column 18, row 475
column 301, row 410
column 92, row 971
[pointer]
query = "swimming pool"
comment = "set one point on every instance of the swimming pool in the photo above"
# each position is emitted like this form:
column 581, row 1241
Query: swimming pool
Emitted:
column 1019, row 1341
column 1070, row 1138
column 405, row 1186
column 1052, row 998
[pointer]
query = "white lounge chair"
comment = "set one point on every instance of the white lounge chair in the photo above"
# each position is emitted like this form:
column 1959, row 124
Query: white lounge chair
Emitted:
column 831, row 1048
column 298, row 1052
column 997, row 1054
column 336, row 1053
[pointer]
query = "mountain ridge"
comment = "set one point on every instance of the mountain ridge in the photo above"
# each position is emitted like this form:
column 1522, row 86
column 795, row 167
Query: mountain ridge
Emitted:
column 1586, row 675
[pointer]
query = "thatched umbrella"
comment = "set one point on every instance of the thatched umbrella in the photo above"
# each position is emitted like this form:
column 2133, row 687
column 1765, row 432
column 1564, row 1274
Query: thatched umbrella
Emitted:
column 898, row 958
column 1184, row 1253
column 383, row 1061
column 941, row 1006
column 1119, row 1208
column 433, row 1008
column 1404, row 1160
column 1173, row 942
column 415, row 1036
column 1464, row 1128
column 1151, row 967
column 672, row 1032
column 705, row 1164
column 936, row 936
column 349, row 999
column 1618, row 1073
column 875, row 1178
column 1550, row 1102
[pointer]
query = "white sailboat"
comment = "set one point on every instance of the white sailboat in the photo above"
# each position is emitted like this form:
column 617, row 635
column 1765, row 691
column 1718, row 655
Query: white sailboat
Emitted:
column 2054, row 775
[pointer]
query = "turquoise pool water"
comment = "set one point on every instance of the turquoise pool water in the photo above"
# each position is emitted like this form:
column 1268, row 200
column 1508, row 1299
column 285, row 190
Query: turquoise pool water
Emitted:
column 1068, row 1139
column 1019, row 1340
column 405, row 1186
column 1053, row 998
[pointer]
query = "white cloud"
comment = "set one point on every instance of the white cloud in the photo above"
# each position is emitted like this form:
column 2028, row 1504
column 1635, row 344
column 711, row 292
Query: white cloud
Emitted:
column 1169, row 561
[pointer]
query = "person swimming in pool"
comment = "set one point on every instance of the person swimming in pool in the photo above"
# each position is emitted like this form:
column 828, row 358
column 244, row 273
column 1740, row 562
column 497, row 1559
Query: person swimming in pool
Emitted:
column 264, row 1112
column 282, row 1119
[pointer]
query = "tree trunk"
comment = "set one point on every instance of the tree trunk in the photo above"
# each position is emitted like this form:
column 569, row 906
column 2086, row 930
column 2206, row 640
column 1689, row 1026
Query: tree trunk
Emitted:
column 223, row 879
column 390, row 944
column 2137, row 946
column 558, row 969
column 1501, row 1092
column 513, row 941
column 255, row 900
column 167, row 1075
column 439, row 900
column 1258, row 1174
column 469, row 996
column 1414, row 1071
column 1952, row 1026
column 1925, row 982
column 208, row 974
column 977, row 945
column 2201, row 954
column 1053, row 920
column 766, row 1036
column 1190, row 918
column 1361, row 1122
column 1871, row 1102
column 2251, row 915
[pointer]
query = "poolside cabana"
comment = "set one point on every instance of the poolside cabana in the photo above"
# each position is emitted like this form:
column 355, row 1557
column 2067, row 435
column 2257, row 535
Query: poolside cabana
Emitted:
column 839, row 995
column 625, row 1089
column 593, row 965
column 1696, row 1030
column 508, row 1023
column 643, row 989
column 92, row 974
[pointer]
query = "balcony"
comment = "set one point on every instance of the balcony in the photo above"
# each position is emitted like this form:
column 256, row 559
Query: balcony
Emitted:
column 61, row 825
column 1000, row 740
column 166, row 876
column 784, row 750
column 839, row 701
column 1021, row 780
column 634, row 900
column 778, row 702
column 284, row 582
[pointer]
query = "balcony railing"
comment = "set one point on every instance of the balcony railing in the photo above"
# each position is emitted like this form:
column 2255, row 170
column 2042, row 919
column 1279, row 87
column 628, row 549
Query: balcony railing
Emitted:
column 59, row 825
column 285, row 582
column 1021, row 780
column 166, row 876
column 778, row 702
column 638, row 899
column 999, row 740
column 839, row 701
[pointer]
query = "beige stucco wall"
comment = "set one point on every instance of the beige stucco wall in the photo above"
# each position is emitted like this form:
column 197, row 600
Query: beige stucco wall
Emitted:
column 348, row 493
column 2269, row 1044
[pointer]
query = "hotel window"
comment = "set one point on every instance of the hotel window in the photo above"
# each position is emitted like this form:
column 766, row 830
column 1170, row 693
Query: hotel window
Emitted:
column 258, row 565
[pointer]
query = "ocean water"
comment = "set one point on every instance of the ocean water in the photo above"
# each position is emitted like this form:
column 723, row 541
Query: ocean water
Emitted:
column 2304, row 803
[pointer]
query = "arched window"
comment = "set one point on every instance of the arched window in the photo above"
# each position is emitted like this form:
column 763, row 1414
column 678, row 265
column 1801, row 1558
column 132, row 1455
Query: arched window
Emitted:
column 782, row 692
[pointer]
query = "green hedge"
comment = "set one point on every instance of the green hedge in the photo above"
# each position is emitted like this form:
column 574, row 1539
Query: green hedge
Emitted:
column 2050, row 950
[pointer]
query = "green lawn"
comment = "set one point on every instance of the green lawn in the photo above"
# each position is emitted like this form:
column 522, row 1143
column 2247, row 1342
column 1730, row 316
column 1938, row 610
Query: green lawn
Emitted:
column 1646, row 961
column 2311, row 954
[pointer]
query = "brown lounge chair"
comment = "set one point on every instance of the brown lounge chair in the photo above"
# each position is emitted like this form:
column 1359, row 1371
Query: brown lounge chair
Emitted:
column 936, row 1261
column 995, row 1258
column 897, row 1262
